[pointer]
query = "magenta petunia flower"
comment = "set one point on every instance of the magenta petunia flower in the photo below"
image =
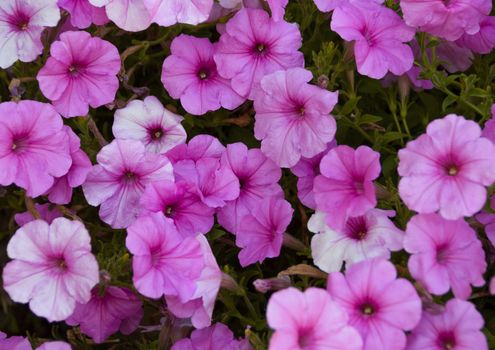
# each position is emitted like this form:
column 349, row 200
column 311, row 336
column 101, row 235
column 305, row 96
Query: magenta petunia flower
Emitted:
column 199, row 147
column 216, row 337
column 34, row 146
column 118, row 181
column 115, row 309
column 293, row 117
column 149, row 122
column 200, row 308
column 180, row 203
column 380, row 306
column 447, row 168
column 81, row 72
column 21, row 25
column 258, row 178
column 83, row 14
column 309, row 321
column 445, row 254
column 169, row 12
column 130, row 15
column 190, row 73
column 52, row 267
column 345, row 187
column 446, row 19
column 61, row 191
column 379, row 34
column 363, row 237
column 253, row 46
column 48, row 213
column 457, row 327
column 163, row 263
column 483, row 41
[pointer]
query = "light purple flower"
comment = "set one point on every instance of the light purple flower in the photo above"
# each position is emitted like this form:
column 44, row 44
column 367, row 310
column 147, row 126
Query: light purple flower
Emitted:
column 489, row 127
column 277, row 7
column 488, row 220
column 55, row 345
column 216, row 337
column 454, row 58
column 169, row 12
column 330, row 5
column 83, row 14
column 14, row 343
column 130, row 15
column 483, row 41
column 48, row 213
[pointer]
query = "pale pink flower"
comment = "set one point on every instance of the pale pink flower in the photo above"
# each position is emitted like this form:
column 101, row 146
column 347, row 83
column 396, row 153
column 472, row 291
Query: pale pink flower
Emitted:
column 255, row 45
column 363, row 237
column 458, row 327
column 309, row 321
column 115, row 309
column 483, row 41
column 130, row 15
column 447, row 169
column 293, row 117
column 446, row 19
column 149, row 122
column 118, row 181
column 21, row 25
column 34, row 146
column 190, row 73
column 445, row 254
column 83, row 14
column 380, row 305
column 169, row 12
column 52, row 267
column 345, row 187
column 216, row 337
column 54, row 345
column 81, row 72
column 163, row 262
column 48, row 213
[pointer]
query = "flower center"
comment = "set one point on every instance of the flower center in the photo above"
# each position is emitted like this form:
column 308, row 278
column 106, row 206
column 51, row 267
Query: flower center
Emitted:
column 367, row 309
column 129, row 176
column 60, row 264
column 452, row 170
column 447, row 341
column 442, row 253
column 169, row 211
column 19, row 143
column 304, row 339
column 203, row 74
column 23, row 25
column 156, row 133
column 356, row 228
column 260, row 47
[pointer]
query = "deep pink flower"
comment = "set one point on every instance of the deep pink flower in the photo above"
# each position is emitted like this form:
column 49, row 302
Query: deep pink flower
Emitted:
column 190, row 73
column 130, row 15
column 258, row 177
column 108, row 312
column 293, row 117
column 21, row 25
column 457, row 327
column 14, row 343
column 149, row 122
column 345, row 187
column 117, row 182
column 380, row 306
column 216, row 337
column 446, row 19
column 447, row 168
column 163, row 263
column 169, row 12
column 34, row 146
column 309, row 321
column 255, row 45
column 48, row 213
column 52, row 267
column 180, row 203
column 83, row 14
column 379, row 34
column 61, row 191
column 261, row 232
column 81, row 72
column 363, row 237
column 445, row 254
column 483, row 41
column 200, row 308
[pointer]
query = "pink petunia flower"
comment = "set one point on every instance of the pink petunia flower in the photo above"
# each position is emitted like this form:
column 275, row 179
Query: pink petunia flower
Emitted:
column 261, row 232
column 15, row 343
column 61, row 191
column 363, row 237
column 446, row 19
column 253, row 46
column 454, row 58
column 163, row 263
column 379, row 34
column 200, row 308
column 293, row 117
column 130, row 15
column 380, row 306
column 55, row 345
column 330, row 5
column 482, row 42
column 190, row 73
column 457, row 327
column 199, row 147
column 83, row 14
column 277, row 7
column 216, row 337
column 258, row 178
column 447, row 169
column 81, row 72
column 118, row 181
column 309, row 321
column 445, row 254
column 48, row 213
column 488, row 220
column 180, row 203
column 345, row 187
column 34, row 146
column 52, row 267
column 149, row 122
column 489, row 127
column 21, row 25
column 108, row 312
column 169, row 12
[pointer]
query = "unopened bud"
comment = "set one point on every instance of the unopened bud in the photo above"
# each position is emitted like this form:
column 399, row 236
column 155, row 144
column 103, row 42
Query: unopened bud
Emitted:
column 268, row 284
